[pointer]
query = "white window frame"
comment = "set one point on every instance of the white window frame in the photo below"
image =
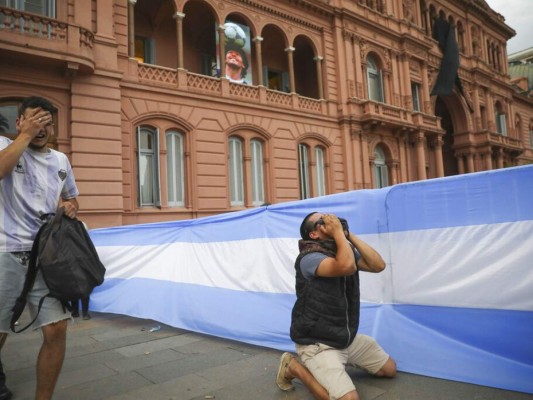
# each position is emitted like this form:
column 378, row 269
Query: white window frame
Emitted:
column 375, row 80
column 175, row 142
column 320, row 172
column 258, row 178
column 381, row 171
column 146, row 158
column 235, row 170
column 415, row 93
column 303, row 169
column 501, row 123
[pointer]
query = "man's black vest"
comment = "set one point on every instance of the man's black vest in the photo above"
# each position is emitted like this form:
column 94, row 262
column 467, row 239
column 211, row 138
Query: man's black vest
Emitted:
column 326, row 309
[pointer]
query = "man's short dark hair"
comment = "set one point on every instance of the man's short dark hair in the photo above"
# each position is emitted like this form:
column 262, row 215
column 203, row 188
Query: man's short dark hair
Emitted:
column 36, row 102
column 307, row 226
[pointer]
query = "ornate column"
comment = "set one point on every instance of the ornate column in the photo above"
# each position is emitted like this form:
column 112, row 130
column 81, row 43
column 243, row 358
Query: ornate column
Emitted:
column 420, row 155
column 221, row 50
column 438, row 156
column 467, row 36
column 359, row 92
column 470, row 162
column 488, row 160
column 131, row 28
column 418, row 12
column 290, row 58
column 367, row 178
column 460, row 164
column 179, row 37
column 397, row 81
column 318, row 60
column 259, row 60
column 500, row 158
column 349, row 90
column 489, row 104
column 426, row 102
column 510, row 121
column 406, row 79
column 477, row 111
column 395, row 172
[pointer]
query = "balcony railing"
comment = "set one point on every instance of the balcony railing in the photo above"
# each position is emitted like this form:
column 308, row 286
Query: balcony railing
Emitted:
column 503, row 141
column 196, row 83
column 32, row 25
column 373, row 112
column 47, row 37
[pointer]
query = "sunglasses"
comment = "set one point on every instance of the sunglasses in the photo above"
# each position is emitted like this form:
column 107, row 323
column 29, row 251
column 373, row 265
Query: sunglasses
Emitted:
column 319, row 221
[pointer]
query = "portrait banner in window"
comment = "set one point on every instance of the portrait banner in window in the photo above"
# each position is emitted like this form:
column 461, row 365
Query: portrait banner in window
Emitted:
column 237, row 53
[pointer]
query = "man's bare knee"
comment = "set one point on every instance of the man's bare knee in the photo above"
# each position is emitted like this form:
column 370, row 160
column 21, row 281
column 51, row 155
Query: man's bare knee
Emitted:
column 55, row 333
column 388, row 370
column 350, row 396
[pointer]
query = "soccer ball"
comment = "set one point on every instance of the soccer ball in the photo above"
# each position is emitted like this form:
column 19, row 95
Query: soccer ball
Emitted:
column 234, row 35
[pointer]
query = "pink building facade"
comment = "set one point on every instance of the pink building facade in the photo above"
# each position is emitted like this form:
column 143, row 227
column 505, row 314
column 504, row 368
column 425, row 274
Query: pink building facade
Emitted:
column 333, row 96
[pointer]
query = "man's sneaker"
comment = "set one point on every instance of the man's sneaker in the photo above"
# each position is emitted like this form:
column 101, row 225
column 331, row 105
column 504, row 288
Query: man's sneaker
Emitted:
column 282, row 382
column 5, row 393
column 86, row 316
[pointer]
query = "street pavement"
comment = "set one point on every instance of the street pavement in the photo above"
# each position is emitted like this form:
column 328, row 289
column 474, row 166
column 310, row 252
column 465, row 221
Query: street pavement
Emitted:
column 118, row 357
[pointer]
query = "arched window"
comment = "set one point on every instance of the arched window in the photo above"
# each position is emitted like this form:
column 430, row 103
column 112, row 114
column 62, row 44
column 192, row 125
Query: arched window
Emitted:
column 236, row 171
column 501, row 124
column 161, row 165
column 374, row 78
column 175, row 168
column 381, row 171
column 149, row 193
column 312, row 168
column 247, row 178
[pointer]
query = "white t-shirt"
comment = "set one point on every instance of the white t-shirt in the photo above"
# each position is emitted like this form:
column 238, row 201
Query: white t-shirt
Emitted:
column 33, row 188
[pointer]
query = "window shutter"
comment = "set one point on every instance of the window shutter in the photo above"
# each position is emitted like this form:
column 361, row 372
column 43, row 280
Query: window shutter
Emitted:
column 157, row 189
column 139, row 194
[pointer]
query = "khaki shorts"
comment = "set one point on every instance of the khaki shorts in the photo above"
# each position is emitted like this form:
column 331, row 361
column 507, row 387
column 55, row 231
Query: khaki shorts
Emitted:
column 328, row 364
column 13, row 267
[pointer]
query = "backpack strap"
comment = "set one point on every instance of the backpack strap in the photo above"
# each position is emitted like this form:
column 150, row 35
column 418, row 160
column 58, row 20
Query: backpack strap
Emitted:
column 20, row 304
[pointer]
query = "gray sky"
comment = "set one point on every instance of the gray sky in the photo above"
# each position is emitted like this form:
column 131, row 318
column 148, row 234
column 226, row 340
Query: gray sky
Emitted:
column 518, row 15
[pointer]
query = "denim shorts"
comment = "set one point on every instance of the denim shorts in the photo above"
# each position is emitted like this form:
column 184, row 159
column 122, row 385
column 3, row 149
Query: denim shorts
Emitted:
column 13, row 267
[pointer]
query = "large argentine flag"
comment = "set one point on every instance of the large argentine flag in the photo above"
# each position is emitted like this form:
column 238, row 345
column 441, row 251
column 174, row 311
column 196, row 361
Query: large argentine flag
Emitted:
column 455, row 301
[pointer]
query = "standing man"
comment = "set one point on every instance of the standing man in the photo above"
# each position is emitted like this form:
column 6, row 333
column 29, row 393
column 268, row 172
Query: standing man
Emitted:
column 33, row 179
column 325, row 317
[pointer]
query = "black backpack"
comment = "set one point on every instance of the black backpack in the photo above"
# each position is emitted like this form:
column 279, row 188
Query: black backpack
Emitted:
column 68, row 260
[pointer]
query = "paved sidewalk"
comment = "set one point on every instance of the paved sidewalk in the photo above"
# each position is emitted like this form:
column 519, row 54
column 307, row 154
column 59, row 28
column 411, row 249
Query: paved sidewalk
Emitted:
column 118, row 357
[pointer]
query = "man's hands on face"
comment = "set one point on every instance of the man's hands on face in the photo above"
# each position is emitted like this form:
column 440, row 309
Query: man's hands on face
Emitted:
column 332, row 225
column 34, row 121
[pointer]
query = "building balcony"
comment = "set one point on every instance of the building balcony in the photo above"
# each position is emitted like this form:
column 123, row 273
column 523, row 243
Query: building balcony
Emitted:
column 372, row 113
column 46, row 40
column 212, row 87
column 494, row 139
